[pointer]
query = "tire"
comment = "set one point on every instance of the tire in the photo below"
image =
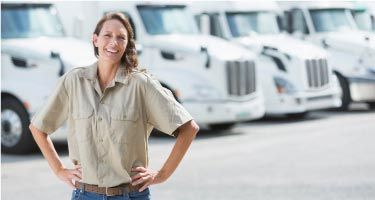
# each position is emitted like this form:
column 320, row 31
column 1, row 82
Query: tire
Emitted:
column 345, row 98
column 15, row 135
column 298, row 115
column 222, row 126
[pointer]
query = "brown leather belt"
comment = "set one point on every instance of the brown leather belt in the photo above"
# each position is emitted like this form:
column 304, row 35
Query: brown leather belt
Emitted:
column 108, row 191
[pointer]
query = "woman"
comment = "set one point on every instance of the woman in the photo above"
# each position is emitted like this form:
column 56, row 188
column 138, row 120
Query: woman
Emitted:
column 111, row 108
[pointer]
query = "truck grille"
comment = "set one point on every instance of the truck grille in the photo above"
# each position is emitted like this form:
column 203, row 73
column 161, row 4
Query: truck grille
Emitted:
column 241, row 77
column 317, row 72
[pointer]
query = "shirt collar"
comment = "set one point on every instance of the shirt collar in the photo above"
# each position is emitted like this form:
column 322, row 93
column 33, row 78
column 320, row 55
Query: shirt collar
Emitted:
column 90, row 73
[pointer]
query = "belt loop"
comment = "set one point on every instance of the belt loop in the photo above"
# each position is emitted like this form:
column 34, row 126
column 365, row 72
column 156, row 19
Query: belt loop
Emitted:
column 125, row 191
column 82, row 187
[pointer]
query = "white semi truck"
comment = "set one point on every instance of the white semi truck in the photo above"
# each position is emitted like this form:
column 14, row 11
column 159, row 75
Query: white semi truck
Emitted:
column 330, row 25
column 34, row 53
column 215, row 80
column 296, row 76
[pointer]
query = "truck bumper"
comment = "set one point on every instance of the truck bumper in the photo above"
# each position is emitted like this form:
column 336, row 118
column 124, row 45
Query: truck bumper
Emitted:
column 226, row 111
column 305, row 101
column 362, row 89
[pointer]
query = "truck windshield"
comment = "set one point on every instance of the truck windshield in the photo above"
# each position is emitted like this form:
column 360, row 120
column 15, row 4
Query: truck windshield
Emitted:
column 362, row 19
column 29, row 20
column 327, row 20
column 160, row 20
column 244, row 23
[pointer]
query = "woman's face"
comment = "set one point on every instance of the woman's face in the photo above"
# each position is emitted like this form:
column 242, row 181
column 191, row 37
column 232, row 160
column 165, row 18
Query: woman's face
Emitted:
column 111, row 41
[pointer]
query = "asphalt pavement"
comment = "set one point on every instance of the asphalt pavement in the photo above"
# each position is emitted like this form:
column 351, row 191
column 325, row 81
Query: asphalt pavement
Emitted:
column 329, row 155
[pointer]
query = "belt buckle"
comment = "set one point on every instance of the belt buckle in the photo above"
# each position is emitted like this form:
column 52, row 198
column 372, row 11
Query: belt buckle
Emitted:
column 106, row 192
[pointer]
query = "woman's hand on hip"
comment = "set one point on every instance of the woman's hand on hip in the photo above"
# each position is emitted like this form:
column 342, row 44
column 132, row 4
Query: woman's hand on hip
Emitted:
column 69, row 176
column 146, row 177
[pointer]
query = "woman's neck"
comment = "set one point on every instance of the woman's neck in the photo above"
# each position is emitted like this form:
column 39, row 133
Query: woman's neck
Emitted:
column 106, row 73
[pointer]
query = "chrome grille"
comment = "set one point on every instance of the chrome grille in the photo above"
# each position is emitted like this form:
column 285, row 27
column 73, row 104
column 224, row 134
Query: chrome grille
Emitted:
column 317, row 72
column 240, row 77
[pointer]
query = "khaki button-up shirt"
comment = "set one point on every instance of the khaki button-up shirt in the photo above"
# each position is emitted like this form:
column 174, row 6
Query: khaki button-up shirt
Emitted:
column 109, row 130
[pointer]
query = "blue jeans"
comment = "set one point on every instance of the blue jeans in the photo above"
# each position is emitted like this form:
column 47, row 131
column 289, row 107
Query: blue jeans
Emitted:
column 78, row 194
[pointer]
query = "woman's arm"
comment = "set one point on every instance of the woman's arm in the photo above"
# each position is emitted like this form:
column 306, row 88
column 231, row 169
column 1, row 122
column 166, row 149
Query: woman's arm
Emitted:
column 147, row 177
column 49, row 152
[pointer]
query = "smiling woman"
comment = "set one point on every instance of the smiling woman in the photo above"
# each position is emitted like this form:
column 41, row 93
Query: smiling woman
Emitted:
column 111, row 108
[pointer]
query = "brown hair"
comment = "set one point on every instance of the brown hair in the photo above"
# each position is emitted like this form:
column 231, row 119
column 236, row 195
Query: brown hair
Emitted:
column 129, row 59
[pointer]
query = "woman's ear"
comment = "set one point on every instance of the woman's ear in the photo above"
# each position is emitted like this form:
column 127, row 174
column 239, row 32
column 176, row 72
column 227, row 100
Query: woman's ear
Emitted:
column 95, row 40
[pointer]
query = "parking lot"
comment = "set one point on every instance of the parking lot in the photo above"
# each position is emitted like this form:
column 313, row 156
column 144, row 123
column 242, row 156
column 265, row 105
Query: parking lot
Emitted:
column 328, row 155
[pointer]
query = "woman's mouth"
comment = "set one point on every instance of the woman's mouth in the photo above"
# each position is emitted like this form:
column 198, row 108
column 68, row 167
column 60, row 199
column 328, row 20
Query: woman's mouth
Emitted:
column 111, row 51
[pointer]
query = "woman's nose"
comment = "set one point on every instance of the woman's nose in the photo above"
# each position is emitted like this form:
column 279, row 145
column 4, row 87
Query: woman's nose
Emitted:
column 113, row 41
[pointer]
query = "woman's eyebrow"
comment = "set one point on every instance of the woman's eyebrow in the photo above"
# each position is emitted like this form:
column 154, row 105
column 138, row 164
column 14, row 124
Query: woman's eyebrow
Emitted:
column 121, row 34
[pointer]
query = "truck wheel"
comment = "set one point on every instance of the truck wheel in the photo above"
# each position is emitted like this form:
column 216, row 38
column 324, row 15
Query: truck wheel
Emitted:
column 222, row 126
column 15, row 135
column 345, row 98
column 301, row 115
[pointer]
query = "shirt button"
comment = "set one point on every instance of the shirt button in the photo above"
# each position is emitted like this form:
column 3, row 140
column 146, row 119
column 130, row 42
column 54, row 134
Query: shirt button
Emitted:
column 100, row 118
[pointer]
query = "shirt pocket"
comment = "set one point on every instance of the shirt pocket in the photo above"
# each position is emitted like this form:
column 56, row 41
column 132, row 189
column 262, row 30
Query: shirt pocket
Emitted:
column 83, row 123
column 124, row 124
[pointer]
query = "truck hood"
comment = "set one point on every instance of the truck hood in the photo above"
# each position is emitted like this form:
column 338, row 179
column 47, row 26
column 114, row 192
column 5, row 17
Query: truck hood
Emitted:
column 350, row 40
column 284, row 44
column 74, row 52
column 219, row 48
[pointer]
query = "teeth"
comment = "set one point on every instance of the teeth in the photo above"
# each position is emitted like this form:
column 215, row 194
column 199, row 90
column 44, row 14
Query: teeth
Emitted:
column 111, row 51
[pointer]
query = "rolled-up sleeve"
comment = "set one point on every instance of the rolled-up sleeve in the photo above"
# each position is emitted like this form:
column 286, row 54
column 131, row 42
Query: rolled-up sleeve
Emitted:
column 55, row 112
column 163, row 111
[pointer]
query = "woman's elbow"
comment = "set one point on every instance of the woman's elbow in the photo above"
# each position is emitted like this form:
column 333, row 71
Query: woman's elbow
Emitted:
column 33, row 129
column 194, row 127
column 189, row 129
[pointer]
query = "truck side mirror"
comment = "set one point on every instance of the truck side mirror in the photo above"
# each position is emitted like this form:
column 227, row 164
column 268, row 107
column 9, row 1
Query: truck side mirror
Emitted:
column 280, row 23
column 204, row 24
column 288, row 21
column 204, row 50
column 56, row 55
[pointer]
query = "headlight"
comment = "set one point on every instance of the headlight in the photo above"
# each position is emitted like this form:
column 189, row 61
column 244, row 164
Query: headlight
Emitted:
column 206, row 92
column 284, row 86
column 199, row 92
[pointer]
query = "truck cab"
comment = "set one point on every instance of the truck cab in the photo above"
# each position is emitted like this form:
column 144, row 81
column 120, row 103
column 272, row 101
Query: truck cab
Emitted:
column 296, row 76
column 331, row 25
column 35, row 52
